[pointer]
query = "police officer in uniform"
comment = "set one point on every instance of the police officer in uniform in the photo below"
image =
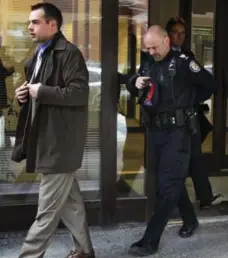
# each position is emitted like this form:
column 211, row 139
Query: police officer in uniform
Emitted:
column 167, row 87
column 176, row 31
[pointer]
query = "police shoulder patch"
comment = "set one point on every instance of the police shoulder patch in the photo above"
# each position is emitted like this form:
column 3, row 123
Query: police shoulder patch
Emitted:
column 194, row 66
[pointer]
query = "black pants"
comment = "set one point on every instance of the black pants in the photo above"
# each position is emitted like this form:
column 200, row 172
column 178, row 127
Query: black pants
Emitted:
column 198, row 172
column 171, row 151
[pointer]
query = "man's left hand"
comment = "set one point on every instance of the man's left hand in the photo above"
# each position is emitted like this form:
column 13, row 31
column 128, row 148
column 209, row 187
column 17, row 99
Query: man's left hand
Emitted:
column 33, row 89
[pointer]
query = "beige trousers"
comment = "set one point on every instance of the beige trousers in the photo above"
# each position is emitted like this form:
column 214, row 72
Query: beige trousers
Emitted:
column 59, row 198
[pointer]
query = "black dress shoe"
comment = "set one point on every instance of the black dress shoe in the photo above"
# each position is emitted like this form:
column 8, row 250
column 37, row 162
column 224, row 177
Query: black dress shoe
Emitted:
column 137, row 244
column 188, row 230
column 142, row 248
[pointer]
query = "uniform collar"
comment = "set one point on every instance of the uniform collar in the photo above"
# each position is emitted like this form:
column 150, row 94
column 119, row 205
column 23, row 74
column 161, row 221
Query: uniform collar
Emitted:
column 175, row 48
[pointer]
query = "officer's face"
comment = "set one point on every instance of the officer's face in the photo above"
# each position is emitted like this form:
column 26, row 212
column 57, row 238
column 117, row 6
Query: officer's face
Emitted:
column 177, row 35
column 157, row 46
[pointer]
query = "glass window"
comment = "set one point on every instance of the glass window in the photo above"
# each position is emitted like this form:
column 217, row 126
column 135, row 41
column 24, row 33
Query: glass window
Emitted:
column 133, row 20
column 81, row 27
column 202, row 46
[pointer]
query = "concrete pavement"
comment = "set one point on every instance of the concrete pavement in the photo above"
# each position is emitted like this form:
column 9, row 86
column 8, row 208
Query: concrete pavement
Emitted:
column 209, row 241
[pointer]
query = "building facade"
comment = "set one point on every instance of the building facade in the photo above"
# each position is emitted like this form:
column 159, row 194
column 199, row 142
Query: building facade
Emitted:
column 109, row 33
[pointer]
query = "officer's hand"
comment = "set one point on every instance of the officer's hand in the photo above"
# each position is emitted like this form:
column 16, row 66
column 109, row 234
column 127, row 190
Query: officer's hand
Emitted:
column 141, row 82
column 21, row 93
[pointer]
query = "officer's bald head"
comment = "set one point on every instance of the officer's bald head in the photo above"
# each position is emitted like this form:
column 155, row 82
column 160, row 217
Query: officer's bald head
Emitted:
column 157, row 42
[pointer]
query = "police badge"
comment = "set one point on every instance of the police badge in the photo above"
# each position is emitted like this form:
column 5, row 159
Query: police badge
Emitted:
column 194, row 66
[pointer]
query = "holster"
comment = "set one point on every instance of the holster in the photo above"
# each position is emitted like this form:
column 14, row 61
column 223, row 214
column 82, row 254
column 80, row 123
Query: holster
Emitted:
column 191, row 118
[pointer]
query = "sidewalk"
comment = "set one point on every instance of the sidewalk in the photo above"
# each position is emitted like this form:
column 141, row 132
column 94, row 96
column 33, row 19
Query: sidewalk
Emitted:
column 210, row 241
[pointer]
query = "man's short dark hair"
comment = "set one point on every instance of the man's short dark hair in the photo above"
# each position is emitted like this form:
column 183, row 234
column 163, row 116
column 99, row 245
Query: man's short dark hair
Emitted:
column 174, row 21
column 51, row 12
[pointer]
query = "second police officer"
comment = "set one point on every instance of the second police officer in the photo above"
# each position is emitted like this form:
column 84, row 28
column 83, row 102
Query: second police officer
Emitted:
column 197, row 170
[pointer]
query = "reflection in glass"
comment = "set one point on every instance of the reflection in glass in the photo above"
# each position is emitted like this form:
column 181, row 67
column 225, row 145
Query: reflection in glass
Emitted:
column 81, row 27
column 133, row 19
column 202, row 47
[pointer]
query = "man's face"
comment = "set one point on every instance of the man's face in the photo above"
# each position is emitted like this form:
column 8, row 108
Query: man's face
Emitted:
column 177, row 35
column 40, row 29
column 158, row 47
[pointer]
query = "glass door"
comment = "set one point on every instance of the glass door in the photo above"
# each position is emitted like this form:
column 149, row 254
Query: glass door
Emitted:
column 202, row 46
column 133, row 20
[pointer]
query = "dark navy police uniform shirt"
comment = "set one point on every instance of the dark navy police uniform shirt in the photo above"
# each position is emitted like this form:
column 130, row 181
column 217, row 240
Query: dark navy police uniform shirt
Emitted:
column 188, row 84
